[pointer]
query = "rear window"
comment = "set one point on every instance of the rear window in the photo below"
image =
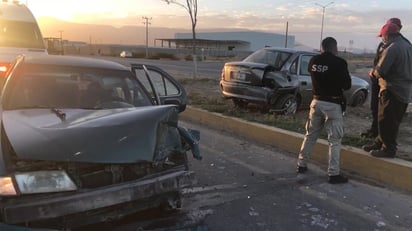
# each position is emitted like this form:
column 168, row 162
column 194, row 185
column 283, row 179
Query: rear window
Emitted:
column 20, row 34
column 273, row 58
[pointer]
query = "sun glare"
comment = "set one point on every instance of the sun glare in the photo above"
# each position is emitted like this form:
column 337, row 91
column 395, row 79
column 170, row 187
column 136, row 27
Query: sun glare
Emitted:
column 51, row 9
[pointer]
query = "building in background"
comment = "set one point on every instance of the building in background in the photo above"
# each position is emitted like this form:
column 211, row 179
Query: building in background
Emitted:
column 247, row 40
column 208, row 44
column 225, row 44
column 231, row 42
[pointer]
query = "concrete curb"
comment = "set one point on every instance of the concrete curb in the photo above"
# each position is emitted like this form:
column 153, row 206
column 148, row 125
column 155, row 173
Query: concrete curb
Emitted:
column 393, row 172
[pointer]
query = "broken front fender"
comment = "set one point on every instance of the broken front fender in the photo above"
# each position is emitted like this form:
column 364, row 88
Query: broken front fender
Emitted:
column 191, row 137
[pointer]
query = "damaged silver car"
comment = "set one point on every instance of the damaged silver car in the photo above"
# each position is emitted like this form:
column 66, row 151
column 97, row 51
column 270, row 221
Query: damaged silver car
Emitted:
column 85, row 140
column 279, row 80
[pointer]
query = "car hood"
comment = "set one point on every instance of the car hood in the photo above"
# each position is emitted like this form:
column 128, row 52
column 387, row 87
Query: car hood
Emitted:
column 99, row 136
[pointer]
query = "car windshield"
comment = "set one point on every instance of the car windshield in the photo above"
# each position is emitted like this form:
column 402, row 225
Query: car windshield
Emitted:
column 54, row 87
column 273, row 58
column 20, row 34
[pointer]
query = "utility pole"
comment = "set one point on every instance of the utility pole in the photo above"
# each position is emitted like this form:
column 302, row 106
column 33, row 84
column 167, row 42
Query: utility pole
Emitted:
column 61, row 42
column 147, row 23
column 286, row 37
column 323, row 16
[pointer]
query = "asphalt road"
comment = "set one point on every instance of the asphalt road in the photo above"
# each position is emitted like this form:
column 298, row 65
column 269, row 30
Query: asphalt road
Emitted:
column 246, row 186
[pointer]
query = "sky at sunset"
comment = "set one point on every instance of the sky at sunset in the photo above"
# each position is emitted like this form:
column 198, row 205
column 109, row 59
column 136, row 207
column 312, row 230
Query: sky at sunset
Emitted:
column 353, row 22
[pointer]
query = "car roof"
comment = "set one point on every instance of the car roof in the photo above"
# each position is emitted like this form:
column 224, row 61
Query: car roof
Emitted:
column 12, row 10
column 290, row 50
column 73, row 61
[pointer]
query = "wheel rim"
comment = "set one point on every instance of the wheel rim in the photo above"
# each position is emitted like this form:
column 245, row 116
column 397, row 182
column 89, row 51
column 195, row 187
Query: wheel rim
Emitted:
column 290, row 107
column 359, row 99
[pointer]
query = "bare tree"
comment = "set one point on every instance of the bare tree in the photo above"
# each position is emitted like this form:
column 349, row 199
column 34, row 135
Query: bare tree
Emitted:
column 191, row 7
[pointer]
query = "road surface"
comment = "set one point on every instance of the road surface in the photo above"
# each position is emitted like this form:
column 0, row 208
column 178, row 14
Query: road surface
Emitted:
column 246, row 186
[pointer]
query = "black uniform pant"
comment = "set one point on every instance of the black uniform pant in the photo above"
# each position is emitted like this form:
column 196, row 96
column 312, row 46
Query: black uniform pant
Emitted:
column 390, row 114
column 374, row 105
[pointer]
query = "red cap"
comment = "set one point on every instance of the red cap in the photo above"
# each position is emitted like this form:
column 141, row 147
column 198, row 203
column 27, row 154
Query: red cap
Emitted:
column 397, row 21
column 389, row 28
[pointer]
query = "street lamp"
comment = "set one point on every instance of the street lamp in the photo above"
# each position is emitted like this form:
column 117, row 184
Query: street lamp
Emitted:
column 286, row 34
column 323, row 17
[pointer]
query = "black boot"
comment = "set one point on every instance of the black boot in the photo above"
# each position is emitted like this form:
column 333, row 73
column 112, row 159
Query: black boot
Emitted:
column 381, row 153
column 372, row 146
column 300, row 169
column 338, row 179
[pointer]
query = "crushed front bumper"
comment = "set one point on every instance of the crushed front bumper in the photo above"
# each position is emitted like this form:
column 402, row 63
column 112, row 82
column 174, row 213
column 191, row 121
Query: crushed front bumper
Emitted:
column 28, row 209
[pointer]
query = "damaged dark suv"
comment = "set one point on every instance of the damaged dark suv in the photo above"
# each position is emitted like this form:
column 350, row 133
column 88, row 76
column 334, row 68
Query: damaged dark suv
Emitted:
column 85, row 140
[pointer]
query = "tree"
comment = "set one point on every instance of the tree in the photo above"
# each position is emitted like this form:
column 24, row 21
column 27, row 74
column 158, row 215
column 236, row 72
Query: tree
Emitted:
column 191, row 7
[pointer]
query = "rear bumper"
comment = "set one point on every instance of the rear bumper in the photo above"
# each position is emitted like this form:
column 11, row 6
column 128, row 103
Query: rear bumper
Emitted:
column 251, row 93
column 256, row 94
column 58, row 205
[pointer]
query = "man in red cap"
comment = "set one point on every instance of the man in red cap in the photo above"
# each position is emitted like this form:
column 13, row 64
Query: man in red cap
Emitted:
column 372, row 132
column 393, row 72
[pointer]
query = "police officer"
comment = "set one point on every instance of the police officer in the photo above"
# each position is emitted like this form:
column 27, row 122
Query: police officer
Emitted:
column 330, row 77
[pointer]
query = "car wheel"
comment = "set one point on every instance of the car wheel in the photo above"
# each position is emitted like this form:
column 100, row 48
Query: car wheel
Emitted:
column 286, row 105
column 358, row 99
column 240, row 103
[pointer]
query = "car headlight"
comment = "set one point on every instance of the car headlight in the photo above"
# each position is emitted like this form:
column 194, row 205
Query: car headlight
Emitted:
column 37, row 182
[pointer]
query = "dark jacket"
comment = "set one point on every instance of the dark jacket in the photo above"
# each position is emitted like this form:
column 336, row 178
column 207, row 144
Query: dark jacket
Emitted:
column 330, row 75
column 394, row 69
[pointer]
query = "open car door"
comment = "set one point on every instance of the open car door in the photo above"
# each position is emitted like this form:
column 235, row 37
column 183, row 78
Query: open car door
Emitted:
column 163, row 88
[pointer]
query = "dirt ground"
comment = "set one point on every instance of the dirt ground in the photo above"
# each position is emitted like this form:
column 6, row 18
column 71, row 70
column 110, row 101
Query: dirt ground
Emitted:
column 357, row 119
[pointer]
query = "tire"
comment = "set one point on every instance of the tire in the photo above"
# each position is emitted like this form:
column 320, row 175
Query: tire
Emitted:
column 286, row 105
column 240, row 103
column 358, row 99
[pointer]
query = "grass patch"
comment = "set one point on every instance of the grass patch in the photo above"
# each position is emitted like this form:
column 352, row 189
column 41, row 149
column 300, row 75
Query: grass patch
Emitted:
column 200, row 95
